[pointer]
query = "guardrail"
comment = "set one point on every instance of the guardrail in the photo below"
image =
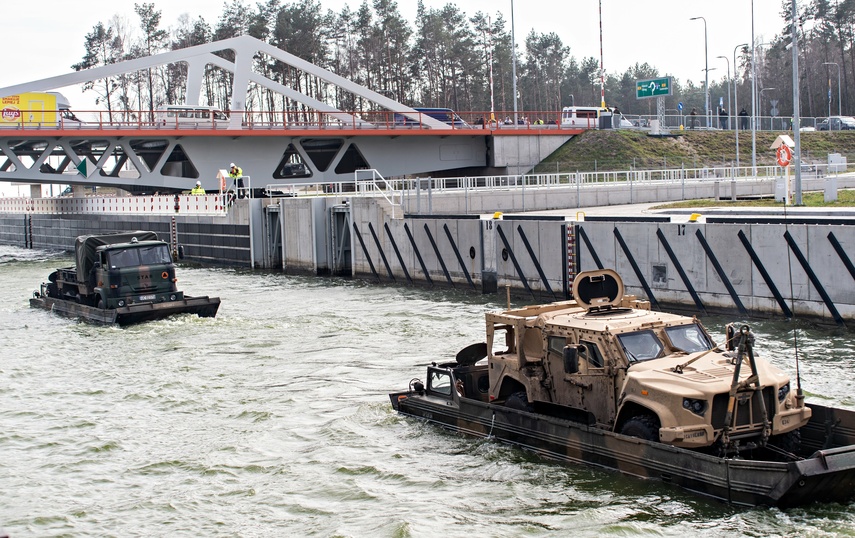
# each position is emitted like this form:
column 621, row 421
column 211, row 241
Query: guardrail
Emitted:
column 399, row 186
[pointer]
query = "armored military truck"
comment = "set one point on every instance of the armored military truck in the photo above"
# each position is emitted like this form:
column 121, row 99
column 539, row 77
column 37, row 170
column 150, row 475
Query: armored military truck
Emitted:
column 607, row 360
column 120, row 278
column 602, row 380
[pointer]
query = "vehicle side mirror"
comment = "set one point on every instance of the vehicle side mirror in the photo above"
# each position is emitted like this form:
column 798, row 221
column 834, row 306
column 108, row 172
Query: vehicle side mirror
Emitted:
column 571, row 360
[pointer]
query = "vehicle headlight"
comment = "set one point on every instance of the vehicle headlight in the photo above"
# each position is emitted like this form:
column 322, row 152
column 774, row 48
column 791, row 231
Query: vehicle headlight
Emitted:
column 172, row 297
column 783, row 391
column 697, row 407
column 121, row 302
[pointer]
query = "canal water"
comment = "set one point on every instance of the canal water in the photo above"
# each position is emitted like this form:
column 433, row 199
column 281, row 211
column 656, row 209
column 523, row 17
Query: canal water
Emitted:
column 273, row 419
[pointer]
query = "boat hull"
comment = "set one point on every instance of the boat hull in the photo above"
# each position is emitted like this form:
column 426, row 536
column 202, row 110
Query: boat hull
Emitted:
column 205, row 307
column 826, row 474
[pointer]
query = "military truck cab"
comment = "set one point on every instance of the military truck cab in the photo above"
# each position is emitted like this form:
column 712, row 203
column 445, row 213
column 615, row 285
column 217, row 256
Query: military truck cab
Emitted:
column 135, row 272
column 606, row 359
column 120, row 278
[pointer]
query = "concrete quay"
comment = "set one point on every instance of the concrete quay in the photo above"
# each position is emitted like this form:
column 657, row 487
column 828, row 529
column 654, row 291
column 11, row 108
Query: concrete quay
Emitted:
column 532, row 240
column 725, row 260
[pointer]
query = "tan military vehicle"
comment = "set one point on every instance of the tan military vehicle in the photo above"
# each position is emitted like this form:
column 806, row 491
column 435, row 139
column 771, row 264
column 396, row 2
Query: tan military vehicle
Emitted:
column 607, row 360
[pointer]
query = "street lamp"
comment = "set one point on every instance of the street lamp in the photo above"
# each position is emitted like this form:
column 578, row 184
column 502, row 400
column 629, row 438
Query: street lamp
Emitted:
column 514, row 63
column 736, row 104
column 753, row 96
column 729, row 110
column 838, row 89
column 711, row 121
column 706, row 69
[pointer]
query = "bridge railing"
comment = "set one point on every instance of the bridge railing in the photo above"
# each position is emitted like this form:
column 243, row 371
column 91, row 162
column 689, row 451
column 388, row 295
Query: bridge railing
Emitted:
column 548, row 120
column 183, row 204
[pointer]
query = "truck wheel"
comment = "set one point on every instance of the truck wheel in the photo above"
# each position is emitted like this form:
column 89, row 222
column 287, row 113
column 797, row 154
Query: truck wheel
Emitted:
column 643, row 426
column 100, row 303
column 519, row 401
column 788, row 442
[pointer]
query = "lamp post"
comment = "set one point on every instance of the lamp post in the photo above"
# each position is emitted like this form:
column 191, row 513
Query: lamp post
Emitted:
column 797, row 154
column 838, row 88
column 514, row 63
column 706, row 69
column 753, row 99
column 736, row 104
column 729, row 110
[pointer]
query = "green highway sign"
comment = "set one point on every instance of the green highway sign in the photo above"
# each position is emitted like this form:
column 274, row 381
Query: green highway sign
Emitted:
column 656, row 87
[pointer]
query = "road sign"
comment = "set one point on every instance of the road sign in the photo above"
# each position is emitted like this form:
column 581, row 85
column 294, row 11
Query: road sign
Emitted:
column 680, row 107
column 86, row 167
column 657, row 87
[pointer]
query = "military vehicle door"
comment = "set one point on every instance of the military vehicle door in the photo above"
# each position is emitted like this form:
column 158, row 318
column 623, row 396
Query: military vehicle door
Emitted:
column 582, row 383
column 442, row 384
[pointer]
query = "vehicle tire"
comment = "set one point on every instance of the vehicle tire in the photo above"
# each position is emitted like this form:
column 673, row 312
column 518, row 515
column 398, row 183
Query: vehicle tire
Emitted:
column 100, row 303
column 642, row 426
column 788, row 442
column 519, row 401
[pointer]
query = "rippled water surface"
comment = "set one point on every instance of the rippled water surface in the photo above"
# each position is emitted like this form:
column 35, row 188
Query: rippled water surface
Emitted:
column 273, row 419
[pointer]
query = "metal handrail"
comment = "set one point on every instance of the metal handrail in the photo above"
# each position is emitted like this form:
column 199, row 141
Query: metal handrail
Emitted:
column 361, row 186
column 397, row 186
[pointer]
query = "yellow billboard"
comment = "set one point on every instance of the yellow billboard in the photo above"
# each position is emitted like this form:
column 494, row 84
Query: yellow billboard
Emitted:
column 29, row 109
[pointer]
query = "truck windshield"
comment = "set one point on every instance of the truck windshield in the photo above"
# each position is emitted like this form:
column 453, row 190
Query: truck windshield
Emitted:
column 123, row 257
column 641, row 345
column 689, row 338
column 155, row 255
column 136, row 256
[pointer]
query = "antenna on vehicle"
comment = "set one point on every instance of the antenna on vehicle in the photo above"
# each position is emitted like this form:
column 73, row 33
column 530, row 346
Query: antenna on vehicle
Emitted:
column 799, row 394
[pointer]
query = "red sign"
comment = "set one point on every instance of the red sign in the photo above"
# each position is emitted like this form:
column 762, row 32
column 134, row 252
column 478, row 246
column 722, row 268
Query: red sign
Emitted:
column 785, row 155
column 10, row 113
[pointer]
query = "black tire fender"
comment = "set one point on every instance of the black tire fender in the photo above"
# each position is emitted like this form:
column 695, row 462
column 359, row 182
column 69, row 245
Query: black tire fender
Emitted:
column 519, row 401
column 642, row 426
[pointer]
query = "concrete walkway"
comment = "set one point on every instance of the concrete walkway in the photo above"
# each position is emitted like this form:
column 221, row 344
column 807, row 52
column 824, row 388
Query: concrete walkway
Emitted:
column 683, row 215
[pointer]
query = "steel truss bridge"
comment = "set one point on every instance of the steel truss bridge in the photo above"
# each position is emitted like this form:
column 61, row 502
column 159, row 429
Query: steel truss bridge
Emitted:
column 318, row 144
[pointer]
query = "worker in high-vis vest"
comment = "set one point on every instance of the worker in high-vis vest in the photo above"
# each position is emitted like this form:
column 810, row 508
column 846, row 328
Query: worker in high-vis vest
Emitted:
column 236, row 173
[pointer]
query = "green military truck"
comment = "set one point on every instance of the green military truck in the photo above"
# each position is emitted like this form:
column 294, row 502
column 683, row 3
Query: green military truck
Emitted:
column 120, row 278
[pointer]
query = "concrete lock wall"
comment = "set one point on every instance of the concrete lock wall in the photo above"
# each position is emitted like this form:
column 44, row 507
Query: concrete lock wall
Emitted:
column 701, row 267
column 578, row 194
column 298, row 231
column 532, row 253
column 719, row 266
column 215, row 240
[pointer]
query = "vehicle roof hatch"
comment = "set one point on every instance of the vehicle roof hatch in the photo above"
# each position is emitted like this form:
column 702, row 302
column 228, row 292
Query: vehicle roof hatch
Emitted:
column 599, row 289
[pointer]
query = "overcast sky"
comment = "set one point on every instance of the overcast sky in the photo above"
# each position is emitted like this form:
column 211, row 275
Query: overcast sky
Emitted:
column 44, row 42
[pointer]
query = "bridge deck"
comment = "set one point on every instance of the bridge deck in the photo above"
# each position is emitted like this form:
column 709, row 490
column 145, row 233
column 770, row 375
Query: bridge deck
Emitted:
column 274, row 130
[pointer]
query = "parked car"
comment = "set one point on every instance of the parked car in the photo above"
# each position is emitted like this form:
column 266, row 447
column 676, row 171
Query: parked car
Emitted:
column 836, row 123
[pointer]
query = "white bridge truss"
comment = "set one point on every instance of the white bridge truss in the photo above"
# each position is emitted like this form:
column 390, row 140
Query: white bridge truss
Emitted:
column 147, row 156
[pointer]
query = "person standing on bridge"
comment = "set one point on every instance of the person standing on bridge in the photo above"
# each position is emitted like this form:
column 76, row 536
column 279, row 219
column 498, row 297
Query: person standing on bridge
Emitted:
column 236, row 173
column 722, row 117
column 198, row 190
column 743, row 119
column 693, row 118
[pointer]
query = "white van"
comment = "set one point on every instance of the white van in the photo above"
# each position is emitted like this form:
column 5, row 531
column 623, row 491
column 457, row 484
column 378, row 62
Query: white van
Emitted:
column 191, row 115
column 581, row 117
column 587, row 117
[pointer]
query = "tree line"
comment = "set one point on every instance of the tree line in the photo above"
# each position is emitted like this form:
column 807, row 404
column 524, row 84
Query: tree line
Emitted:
column 447, row 59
